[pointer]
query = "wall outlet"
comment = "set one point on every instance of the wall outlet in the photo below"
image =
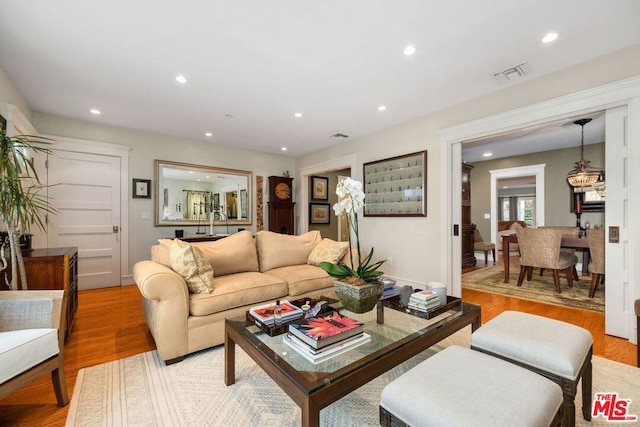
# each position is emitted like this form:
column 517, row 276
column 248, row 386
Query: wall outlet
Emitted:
column 487, row 216
column 389, row 261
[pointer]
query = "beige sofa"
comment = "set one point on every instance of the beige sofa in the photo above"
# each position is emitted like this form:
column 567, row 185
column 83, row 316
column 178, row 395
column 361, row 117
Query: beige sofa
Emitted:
column 246, row 272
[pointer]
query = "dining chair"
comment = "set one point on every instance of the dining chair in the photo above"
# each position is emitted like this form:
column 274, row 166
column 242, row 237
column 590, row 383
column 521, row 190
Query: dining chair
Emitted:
column 573, row 232
column 596, row 266
column 540, row 248
column 32, row 340
column 481, row 245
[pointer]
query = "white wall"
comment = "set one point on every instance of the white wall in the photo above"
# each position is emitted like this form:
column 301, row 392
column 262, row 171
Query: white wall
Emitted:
column 414, row 243
column 148, row 146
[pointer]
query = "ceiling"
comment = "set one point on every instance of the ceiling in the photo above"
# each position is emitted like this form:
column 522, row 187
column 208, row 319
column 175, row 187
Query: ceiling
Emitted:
column 250, row 65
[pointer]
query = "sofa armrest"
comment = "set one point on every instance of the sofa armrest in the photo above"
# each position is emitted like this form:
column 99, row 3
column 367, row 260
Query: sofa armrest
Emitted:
column 166, row 307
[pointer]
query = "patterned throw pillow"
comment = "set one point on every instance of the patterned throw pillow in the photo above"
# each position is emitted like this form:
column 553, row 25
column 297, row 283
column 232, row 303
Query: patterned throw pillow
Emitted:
column 327, row 250
column 189, row 262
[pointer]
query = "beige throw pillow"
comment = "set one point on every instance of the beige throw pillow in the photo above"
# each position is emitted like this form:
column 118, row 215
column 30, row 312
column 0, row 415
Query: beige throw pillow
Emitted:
column 189, row 262
column 233, row 254
column 327, row 251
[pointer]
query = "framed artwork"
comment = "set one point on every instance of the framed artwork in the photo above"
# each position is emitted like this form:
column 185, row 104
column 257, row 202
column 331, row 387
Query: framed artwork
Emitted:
column 319, row 188
column 141, row 188
column 590, row 200
column 3, row 122
column 319, row 213
column 396, row 186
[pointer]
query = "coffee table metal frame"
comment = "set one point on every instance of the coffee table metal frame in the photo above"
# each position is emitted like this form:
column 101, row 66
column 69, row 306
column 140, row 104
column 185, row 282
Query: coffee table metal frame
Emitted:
column 312, row 390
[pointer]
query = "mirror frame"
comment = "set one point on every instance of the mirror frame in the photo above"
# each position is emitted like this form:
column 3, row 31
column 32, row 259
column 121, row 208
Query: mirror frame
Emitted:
column 159, row 194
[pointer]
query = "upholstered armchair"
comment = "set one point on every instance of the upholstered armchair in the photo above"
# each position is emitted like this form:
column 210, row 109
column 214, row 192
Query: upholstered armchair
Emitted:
column 540, row 248
column 32, row 340
column 596, row 266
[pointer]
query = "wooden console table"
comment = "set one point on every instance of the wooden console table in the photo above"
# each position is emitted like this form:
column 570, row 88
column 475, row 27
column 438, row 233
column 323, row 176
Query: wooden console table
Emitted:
column 567, row 242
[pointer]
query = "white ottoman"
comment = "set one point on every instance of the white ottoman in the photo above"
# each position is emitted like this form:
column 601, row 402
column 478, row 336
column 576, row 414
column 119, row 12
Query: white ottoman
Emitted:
column 558, row 350
column 462, row 387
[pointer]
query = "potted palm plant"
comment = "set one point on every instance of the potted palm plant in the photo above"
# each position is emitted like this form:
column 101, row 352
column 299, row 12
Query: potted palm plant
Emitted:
column 21, row 202
column 357, row 286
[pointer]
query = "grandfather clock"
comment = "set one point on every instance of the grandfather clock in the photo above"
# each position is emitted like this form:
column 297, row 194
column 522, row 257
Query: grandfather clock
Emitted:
column 280, row 205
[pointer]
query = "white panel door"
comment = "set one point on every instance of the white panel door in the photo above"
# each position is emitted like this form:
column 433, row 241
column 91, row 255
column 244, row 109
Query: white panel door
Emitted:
column 617, row 259
column 85, row 192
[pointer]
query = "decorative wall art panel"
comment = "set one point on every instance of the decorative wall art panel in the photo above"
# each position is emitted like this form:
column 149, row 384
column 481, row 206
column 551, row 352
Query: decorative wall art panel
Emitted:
column 396, row 186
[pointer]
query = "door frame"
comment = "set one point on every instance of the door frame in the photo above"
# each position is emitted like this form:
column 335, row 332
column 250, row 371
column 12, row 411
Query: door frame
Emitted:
column 531, row 170
column 346, row 162
column 618, row 94
column 63, row 143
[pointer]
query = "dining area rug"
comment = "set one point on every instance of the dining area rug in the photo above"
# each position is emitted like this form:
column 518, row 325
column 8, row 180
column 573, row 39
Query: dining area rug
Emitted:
column 491, row 279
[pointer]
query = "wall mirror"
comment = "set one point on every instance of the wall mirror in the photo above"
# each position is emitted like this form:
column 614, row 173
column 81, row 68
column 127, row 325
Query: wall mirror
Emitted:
column 188, row 194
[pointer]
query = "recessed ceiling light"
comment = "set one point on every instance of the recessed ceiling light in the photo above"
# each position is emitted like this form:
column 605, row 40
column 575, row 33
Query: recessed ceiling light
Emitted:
column 208, row 134
column 549, row 37
column 284, row 149
column 409, row 50
column 487, row 154
column 95, row 111
column 382, row 107
column 181, row 79
column 298, row 115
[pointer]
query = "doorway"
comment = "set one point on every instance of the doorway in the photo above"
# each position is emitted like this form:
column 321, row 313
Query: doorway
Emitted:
column 621, row 101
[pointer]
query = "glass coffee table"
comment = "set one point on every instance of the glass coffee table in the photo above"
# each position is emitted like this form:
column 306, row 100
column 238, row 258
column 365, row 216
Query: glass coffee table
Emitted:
column 315, row 386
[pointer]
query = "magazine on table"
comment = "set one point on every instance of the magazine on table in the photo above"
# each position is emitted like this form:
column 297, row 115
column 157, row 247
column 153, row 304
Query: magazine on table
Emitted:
column 321, row 331
column 264, row 313
column 326, row 353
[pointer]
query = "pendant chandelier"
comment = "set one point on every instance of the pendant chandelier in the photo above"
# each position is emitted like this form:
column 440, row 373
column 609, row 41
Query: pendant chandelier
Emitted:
column 583, row 175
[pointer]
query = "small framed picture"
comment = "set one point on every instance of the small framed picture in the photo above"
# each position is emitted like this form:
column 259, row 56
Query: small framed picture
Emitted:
column 319, row 213
column 319, row 188
column 141, row 188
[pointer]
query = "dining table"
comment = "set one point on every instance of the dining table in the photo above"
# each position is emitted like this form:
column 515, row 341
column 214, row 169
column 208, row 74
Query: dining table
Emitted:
column 567, row 242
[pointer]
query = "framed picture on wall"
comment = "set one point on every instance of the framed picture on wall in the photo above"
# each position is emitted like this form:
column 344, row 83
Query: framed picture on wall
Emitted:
column 141, row 188
column 319, row 213
column 319, row 188
column 396, row 186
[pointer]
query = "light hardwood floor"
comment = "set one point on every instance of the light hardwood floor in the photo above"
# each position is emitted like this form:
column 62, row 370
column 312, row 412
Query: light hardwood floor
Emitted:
column 110, row 325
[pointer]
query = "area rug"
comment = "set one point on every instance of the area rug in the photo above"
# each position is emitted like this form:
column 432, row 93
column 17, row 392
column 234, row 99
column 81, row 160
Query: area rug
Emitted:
column 491, row 279
column 141, row 391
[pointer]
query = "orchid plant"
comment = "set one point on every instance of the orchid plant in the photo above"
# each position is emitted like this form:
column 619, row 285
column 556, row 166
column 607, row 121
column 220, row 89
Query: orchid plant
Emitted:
column 351, row 199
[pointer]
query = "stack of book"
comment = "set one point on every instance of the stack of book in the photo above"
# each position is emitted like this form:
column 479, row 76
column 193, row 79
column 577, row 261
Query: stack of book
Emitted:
column 424, row 301
column 390, row 289
column 320, row 338
column 264, row 313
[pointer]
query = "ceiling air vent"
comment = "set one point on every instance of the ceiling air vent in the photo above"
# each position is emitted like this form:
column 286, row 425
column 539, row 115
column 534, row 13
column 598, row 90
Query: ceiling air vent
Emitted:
column 339, row 135
column 514, row 73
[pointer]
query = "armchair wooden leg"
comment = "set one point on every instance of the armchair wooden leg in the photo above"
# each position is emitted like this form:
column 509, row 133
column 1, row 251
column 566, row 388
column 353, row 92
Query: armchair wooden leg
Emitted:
column 575, row 274
column 493, row 253
column 60, row 386
column 486, row 254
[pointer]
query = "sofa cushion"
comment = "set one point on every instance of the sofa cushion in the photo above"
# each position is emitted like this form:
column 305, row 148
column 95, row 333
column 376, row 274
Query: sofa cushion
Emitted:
column 23, row 349
column 233, row 254
column 189, row 262
column 237, row 290
column 280, row 250
column 303, row 278
column 327, row 250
